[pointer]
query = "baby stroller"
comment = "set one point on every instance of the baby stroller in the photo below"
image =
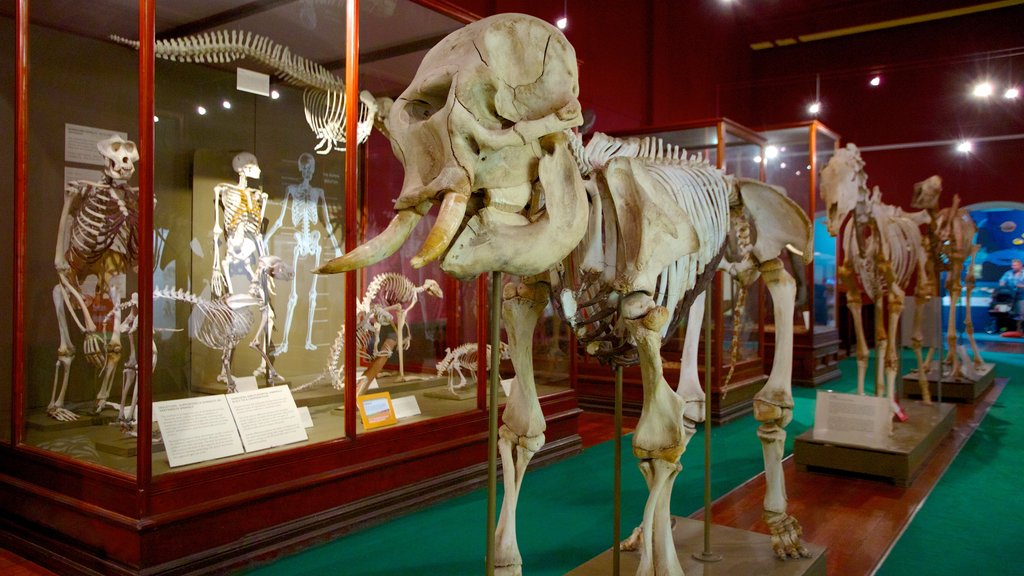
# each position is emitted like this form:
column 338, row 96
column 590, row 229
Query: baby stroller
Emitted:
column 1001, row 310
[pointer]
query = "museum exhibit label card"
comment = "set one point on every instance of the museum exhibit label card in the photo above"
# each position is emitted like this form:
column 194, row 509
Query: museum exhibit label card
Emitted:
column 197, row 429
column 266, row 418
column 852, row 419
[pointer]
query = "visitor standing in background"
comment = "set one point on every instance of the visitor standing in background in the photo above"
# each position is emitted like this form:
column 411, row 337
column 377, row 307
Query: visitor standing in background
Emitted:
column 1014, row 277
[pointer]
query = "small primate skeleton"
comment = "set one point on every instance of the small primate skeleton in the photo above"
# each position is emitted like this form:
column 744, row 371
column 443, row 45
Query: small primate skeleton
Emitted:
column 884, row 251
column 625, row 234
column 398, row 295
column 324, row 94
column 241, row 209
column 952, row 248
column 370, row 319
column 97, row 236
column 465, row 358
column 307, row 202
column 222, row 323
column 124, row 319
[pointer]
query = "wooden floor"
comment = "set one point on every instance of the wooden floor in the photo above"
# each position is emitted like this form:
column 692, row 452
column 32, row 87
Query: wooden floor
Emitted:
column 830, row 507
column 858, row 520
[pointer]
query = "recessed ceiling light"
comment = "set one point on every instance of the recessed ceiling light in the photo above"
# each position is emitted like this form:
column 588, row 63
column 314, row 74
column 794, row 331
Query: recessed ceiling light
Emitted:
column 226, row 104
column 982, row 89
column 1011, row 93
column 782, row 165
column 156, row 118
column 201, row 110
column 964, row 146
column 562, row 23
column 274, row 94
column 757, row 159
column 875, row 81
column 771, row 152
column 814, row 108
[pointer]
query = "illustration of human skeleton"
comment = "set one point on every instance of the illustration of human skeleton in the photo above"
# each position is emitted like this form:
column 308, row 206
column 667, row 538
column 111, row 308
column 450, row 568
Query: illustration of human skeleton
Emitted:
column 222, row 323
column 398, row 295
column 241, row 209
column 307, row 202
column 465, row 358
column 482, row 130
column 324, row 93
column 97, row 236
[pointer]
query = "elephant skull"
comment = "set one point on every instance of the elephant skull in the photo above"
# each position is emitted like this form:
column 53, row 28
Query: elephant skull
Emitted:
column 481, row 131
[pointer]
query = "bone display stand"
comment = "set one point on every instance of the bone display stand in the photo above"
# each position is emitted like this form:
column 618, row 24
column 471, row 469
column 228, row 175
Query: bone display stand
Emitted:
column 963, row 389
column 899, row 458
column 743, row 553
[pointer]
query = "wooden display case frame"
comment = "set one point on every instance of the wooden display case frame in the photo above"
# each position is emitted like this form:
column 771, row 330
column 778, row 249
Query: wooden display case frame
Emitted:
column 76, row 517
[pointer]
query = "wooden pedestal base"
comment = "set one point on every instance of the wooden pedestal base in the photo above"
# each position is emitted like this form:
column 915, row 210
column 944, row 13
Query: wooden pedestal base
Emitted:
column 743, row 553
column 953, row 389
column 898, row 459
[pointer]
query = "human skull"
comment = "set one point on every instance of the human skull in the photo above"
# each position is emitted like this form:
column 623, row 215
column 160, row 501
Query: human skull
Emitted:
column 841, row 181
column 120, row 155
column 926, row 193
column 481, row 131
column 245, row 164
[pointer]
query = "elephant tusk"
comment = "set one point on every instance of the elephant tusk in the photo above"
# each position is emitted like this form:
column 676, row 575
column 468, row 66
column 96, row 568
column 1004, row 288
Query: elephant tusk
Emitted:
column 380, row 247
column 449, row 219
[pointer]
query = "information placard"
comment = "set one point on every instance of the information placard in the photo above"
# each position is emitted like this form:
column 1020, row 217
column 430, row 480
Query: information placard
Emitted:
column 266, row 418
column 852, row 419
column 80, row 143
column 197, row 429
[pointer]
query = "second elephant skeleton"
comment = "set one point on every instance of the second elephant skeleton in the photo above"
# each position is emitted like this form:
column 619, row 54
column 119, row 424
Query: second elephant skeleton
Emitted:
column 484, row 130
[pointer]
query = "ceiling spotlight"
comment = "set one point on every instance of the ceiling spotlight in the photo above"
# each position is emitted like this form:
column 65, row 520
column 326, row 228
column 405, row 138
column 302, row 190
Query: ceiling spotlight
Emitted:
column 814, row 108
column 782, row 165
column 876, row 81
column 274, row 94
column 797, row 172
column 226, row 104
column 1011, row 93
column 562, row 23
column 982, row 89
column 156, row 118
column 964, row 146
column 771, row 152
column 201, row 110
column 757, row 159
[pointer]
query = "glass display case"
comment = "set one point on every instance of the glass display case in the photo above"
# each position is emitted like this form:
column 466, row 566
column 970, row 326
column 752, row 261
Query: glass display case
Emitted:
column 184, row 384
column 736, row 150
column 795, row 155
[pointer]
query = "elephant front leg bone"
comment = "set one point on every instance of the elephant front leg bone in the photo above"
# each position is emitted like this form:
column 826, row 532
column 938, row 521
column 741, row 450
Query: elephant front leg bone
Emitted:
column 773, row 408
column 659, row 441
column 523, row 422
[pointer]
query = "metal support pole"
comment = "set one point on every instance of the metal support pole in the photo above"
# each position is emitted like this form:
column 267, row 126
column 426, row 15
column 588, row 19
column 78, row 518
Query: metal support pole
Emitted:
column 492, row 416
column 707, row 555
column 617, row 508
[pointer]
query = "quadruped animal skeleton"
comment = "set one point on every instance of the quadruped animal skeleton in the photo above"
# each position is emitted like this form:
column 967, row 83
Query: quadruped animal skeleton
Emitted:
column 323, row 96
column 98, row 237
column 222, row 323
column 370, row 319
column 465, row 357
column 483, row 131
column 398, row 295
column 307, row 202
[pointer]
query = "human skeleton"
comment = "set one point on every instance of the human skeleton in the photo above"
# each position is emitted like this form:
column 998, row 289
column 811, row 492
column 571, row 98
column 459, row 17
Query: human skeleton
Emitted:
column 222, row 323
column 306, row 203
column 398, row 295
column 883, row 252
column 482, row 130
column 324, row 93
column 465, row 358
column 241, row 209
column 97, row 236
column 951, row 244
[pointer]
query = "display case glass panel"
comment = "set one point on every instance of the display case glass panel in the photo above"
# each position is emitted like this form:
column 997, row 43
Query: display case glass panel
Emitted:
column 81, row 230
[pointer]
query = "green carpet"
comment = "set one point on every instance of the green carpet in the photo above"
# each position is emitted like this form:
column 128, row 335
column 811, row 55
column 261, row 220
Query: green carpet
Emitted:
column 565, row 510
column 971, row 522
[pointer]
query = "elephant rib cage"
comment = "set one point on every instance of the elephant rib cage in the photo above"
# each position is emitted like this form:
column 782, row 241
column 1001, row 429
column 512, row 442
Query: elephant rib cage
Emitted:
column 698, row 190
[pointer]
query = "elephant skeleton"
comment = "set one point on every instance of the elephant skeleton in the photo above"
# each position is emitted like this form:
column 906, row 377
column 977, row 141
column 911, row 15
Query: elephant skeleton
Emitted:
column 482, row 130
